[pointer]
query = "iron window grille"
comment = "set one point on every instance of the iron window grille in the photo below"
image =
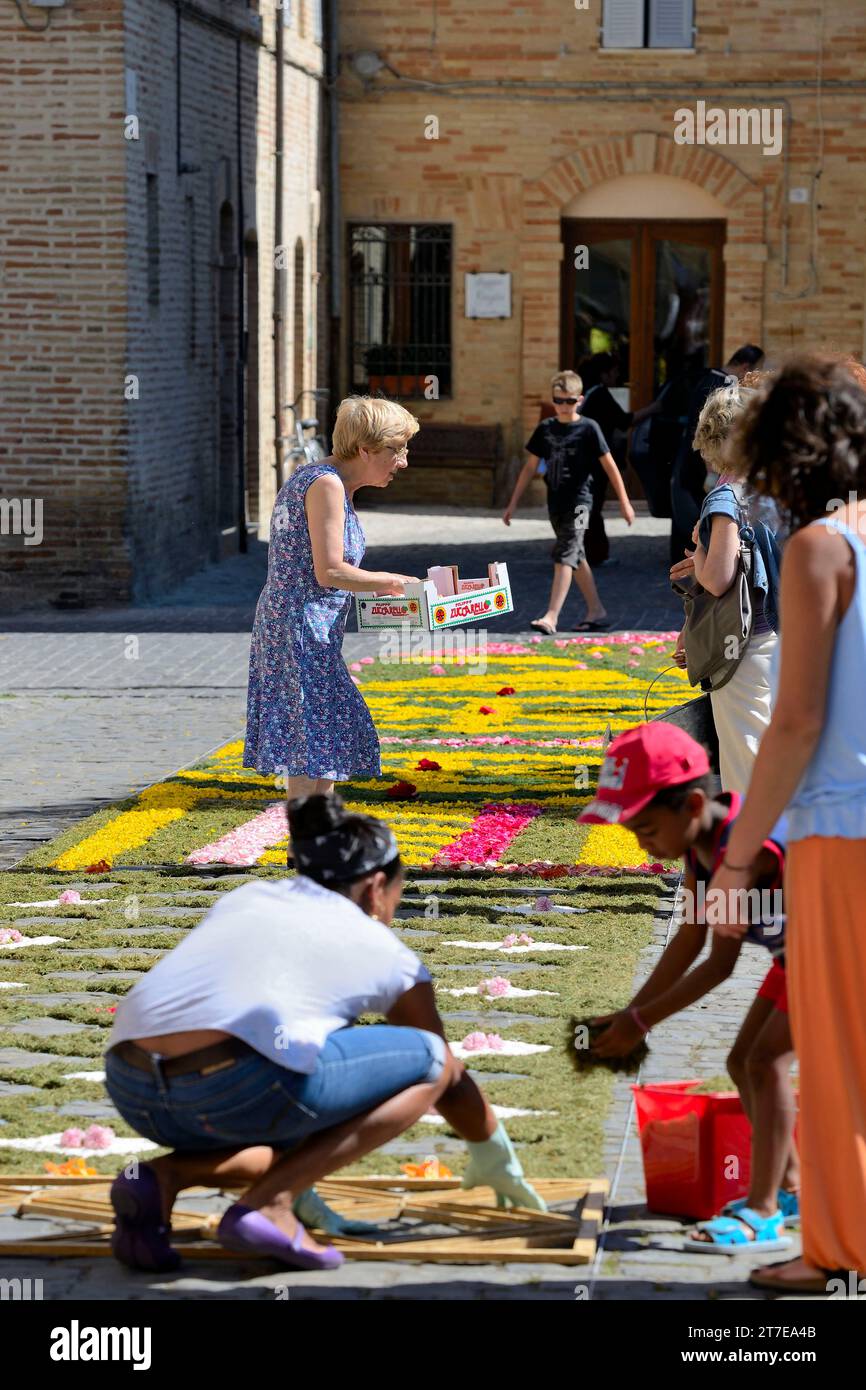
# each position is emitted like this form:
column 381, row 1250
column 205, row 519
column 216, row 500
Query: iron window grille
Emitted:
column 400, row 309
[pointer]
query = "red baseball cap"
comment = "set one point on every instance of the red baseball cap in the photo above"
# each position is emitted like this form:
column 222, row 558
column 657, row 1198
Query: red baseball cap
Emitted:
column 640, row 763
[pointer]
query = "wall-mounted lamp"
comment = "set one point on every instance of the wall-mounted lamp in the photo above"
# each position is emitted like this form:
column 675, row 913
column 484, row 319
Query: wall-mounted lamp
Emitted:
column 367, row 64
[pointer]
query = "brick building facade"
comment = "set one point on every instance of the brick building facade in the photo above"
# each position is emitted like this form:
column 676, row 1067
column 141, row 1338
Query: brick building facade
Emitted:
column 531, row 127
column 137, row 399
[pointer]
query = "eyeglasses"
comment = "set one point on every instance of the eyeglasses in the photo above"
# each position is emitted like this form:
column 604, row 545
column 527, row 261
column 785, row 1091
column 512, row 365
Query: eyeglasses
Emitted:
column 399, row 453
column 565, row 400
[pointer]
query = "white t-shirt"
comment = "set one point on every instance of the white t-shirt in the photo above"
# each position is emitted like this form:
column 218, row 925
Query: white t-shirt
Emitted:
column 279, row 964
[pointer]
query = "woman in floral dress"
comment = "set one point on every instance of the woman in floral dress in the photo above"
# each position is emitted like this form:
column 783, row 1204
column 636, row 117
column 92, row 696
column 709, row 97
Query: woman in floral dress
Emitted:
column 306, row 718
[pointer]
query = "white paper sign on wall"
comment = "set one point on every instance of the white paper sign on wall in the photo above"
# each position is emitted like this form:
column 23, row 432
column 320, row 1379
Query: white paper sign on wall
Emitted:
column 488, row 295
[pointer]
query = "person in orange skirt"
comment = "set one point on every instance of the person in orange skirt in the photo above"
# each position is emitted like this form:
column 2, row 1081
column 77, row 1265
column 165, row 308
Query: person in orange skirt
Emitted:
column 803, row 442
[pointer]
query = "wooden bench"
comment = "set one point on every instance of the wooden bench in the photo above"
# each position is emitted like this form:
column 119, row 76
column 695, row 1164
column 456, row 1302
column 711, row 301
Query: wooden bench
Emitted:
column 458, row 464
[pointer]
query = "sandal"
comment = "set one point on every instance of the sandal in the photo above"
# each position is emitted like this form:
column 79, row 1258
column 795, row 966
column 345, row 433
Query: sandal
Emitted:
column 543, row 626
column 729, row 1235
column 599, row 625
column 789, row 1205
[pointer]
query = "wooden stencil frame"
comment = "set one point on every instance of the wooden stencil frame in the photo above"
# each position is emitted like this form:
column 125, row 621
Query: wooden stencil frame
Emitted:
column 482, row 1232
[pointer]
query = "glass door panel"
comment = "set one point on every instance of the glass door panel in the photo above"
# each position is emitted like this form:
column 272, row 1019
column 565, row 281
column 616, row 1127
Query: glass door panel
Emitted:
column 650, row 291
column 681, row 310
column 602, row 302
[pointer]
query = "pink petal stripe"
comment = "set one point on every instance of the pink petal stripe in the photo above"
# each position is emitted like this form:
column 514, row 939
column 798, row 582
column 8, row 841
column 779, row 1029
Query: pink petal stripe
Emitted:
column 489, row 835
column 244, row 844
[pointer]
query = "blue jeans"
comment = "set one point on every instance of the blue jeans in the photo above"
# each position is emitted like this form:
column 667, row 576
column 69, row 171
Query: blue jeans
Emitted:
column 257, row 1101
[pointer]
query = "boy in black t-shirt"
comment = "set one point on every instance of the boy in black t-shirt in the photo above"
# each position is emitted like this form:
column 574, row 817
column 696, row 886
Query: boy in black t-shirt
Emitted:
column 571, row 447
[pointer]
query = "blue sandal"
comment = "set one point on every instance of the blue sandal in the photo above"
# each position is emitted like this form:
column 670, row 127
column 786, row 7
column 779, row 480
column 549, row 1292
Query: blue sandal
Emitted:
column 729, row 1235
column 789, row 1205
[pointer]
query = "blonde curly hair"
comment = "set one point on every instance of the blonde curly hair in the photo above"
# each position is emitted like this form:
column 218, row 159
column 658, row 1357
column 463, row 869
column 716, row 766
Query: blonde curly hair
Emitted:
column 715, row 423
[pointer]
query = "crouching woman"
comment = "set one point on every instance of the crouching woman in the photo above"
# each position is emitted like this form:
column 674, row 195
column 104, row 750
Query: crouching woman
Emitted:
column 241, row 1054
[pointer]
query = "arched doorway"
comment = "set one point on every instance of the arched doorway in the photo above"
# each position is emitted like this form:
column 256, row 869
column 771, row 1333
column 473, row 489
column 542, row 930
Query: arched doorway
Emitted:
column 643, row 277
column 698, row 173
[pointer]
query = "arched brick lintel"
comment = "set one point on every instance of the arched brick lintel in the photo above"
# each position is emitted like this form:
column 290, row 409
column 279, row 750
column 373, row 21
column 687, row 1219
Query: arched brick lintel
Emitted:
column 642, row 152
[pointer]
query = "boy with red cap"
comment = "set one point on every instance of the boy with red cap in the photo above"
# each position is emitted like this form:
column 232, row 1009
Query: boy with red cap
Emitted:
column 656, row 782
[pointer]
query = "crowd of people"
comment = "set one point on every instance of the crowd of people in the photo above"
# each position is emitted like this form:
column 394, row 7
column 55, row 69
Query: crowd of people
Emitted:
column 789, row 447
column 239, row 1051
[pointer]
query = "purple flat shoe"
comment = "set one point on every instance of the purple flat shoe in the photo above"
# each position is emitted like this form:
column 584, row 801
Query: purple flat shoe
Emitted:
column 248, row 1232
column 141, row 1239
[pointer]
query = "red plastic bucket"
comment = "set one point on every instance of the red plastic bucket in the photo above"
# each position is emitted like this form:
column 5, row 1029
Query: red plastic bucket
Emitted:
column 696, row 1148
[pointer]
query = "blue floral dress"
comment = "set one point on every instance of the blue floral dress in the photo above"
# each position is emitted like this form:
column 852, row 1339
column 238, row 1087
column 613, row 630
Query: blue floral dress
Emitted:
column 305, row 715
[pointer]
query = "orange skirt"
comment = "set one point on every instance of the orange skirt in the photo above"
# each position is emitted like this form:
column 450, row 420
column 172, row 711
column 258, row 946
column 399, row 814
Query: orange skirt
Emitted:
column 825, row 951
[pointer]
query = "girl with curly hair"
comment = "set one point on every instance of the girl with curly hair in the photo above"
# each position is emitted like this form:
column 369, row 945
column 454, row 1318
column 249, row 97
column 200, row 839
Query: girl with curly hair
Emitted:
column 802, row 441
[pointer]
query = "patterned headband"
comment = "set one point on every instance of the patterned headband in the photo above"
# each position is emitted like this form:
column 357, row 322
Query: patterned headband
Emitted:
column 341, row 855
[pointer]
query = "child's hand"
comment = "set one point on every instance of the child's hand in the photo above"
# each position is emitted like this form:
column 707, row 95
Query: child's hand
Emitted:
column 679, row 652
column 627, row 513
column 619, row 1038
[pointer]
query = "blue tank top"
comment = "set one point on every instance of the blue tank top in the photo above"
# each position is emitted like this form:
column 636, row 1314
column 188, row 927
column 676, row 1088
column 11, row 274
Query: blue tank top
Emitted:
column 831, row 797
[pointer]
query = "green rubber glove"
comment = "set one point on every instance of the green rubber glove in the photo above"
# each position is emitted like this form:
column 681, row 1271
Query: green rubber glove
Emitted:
column 313, row 1211
column 493, row 1163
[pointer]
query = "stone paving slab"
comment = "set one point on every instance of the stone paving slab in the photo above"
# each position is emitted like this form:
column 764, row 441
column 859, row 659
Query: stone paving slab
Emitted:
column 22, row 1058
column 46, row 1027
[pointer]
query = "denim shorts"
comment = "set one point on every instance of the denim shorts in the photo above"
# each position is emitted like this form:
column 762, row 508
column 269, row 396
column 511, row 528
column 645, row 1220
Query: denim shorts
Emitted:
column 257, row 1101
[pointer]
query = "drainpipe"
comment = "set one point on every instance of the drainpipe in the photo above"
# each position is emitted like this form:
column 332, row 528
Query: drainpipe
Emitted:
column 240, row 411
column 335, row 249
column 279, row 272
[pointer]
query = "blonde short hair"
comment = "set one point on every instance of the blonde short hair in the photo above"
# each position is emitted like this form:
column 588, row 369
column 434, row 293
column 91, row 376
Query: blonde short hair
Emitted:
column 370, row 422
column 567, row 381
column 715, row 424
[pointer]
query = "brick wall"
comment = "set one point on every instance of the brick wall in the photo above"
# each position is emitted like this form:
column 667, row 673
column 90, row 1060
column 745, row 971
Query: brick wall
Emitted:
column 510, row 159
column 122, row 349
column 183, row 452
column 62, row 420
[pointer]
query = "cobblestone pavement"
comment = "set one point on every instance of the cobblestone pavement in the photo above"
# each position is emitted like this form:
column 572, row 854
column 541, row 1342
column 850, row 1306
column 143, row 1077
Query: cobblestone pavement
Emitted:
column 222, row 598
column 98, row 703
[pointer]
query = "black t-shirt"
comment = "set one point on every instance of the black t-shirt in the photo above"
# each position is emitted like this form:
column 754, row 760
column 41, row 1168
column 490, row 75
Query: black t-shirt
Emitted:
column 571, row 451
column 599, row 405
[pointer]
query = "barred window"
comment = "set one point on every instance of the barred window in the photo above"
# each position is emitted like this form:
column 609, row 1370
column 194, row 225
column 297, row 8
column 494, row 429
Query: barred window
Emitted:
column 400, row 308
